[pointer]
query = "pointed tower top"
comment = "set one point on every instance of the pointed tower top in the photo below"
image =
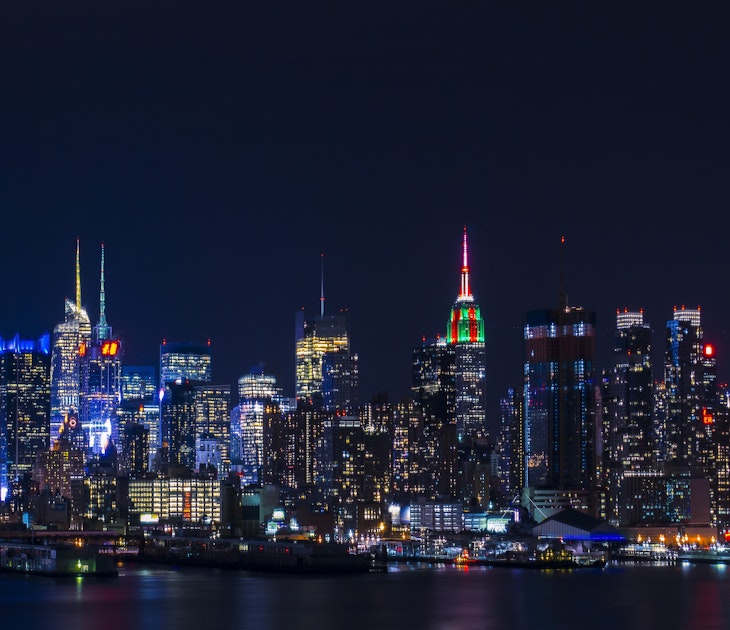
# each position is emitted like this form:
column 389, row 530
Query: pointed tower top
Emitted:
column 562, row 298
column 465, row 323
column 78, row 278
column 321, row 287
column 103, row 330
column 465, row 294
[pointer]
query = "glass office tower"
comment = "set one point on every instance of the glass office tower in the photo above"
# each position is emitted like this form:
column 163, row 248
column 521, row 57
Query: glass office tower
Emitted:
column 73, row 333
column 185, row 361
column 24, row 406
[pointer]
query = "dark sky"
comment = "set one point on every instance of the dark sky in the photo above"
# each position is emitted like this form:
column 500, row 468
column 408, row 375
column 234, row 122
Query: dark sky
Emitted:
column 219, row 149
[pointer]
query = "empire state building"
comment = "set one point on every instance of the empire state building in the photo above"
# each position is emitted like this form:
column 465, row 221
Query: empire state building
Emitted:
column 465, row 332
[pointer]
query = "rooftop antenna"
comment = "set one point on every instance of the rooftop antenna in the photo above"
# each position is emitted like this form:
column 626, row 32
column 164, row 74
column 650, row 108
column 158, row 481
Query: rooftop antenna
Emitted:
column 465, row 290
column 321, row 287
column 78, row 278
column 103, row 327
column 562, row 298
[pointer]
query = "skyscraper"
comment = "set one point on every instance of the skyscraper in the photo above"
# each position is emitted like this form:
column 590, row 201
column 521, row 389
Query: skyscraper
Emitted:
column 138, row 417
column 629, row 436
column 177, row 425
column 138, row 382
column 326, row 369
column 435, row 446
column 685, row 386
column 692, row 433
column 559, row 407
column 73, row 333
column 257, row 391
column 213, row 422
column 101, row 368
column 24, row 406
column 185, row 360
column 465, row 332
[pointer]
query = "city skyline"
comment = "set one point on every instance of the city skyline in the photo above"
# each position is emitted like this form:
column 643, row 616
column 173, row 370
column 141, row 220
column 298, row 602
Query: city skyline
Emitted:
column 217, row 174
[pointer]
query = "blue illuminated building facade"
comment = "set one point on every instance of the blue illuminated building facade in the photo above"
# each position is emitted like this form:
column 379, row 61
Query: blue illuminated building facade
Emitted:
column 24, row 407
column 559, row 404
column 185, row 360
column 101, row 367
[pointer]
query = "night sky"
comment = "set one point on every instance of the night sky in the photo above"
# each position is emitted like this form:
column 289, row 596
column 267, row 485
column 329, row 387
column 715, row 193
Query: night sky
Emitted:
column 218, row 150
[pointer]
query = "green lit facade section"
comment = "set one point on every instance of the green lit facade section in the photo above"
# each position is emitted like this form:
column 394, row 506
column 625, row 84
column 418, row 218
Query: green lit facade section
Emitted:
column 466, row 324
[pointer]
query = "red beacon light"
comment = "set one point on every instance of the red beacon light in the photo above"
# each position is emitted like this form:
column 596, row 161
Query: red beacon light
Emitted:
column 709, row 350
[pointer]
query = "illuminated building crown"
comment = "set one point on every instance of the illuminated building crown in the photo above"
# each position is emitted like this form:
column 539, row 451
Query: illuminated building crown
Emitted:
column 465, row 324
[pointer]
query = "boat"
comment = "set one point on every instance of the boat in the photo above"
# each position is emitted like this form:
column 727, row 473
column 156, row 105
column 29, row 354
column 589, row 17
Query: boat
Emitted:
column 546, row 559
column 55, row 560
column 712, row 555
column 255, row 555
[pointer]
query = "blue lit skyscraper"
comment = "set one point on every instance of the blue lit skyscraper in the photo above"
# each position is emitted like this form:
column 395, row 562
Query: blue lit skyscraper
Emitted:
column 684, row 386
column 24, row 406
column 559, row 407
column 139, row 382
column 101, row 367
column 185, row 361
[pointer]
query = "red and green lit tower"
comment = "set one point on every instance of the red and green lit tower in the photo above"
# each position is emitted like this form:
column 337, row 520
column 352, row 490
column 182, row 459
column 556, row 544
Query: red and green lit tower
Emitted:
column 465, row 331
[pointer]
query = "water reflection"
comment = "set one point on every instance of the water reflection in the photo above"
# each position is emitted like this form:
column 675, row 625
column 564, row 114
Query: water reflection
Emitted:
column 408, row 596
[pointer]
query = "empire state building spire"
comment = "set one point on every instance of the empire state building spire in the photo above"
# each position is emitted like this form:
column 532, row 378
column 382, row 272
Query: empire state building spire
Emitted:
column 465, row 291
column 465, row 323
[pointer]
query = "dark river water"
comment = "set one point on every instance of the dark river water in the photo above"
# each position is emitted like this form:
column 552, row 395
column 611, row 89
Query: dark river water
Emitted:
column 407, row 596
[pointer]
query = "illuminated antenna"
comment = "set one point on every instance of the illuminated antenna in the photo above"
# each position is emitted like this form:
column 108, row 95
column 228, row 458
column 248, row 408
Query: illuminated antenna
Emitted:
column 561, row 297
column 465, row 291
column 321, row 287
column 103, row 327
column 78, row 278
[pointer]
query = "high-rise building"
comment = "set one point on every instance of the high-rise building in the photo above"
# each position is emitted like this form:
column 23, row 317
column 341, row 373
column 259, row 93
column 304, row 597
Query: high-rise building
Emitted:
column 377, row 420
column 73, row 333
column 406, row 474
column 191, row 411
column 136, row 441
column 465, row 332
column 60, row 470
column 721, row 421
column 177, row 425
column 257, row 391
column 24, row 406
column 185, row 360
column 326, row 370
column 693, row 430
column 213, row 423
column 434, row 446
column 629, row 437
column 340, row 381
column 559, row 405
column 138, row 416
column 288, row 450
column 139, row 382
column 101, row 368
column 512, row 444
column 689, row 382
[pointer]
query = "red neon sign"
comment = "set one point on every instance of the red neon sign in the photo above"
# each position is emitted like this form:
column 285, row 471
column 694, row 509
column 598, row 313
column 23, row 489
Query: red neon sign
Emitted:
column 110, row 348
column 707, row 418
